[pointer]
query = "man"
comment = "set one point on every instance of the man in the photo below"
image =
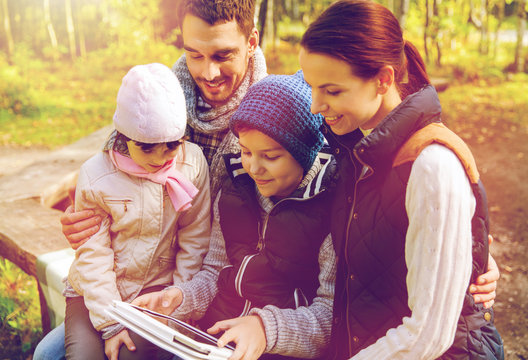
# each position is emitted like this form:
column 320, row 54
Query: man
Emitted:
column 221, row 61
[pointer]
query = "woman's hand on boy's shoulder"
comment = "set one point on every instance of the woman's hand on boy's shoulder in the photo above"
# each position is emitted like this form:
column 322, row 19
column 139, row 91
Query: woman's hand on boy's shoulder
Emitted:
column 484, row 289
column 246, row 332
column 164, row 301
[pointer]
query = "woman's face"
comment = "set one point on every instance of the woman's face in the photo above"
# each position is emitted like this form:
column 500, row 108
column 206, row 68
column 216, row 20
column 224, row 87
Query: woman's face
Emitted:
column 346, row 101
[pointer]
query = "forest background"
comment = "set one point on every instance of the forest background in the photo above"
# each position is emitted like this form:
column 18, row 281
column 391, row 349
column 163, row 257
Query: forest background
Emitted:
column 61, row 64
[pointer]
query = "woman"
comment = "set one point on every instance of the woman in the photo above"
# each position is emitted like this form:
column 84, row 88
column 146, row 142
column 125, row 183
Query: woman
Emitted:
column 409, row 222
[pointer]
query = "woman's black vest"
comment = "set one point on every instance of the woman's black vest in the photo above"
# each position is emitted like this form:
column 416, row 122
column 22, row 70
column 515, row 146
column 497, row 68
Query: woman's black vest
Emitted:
column 369, row 224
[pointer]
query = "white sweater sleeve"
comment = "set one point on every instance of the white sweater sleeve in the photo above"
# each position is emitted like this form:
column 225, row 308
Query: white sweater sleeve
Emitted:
column 440, row 205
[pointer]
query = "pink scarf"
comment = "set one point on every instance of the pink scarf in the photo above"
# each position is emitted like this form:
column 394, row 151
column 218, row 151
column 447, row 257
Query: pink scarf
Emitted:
column 181, row 191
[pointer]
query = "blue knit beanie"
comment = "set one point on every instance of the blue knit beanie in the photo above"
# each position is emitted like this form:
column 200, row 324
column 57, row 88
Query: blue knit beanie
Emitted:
column 279, row 106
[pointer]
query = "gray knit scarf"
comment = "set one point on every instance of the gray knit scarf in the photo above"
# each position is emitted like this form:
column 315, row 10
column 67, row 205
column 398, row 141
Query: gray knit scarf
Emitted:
column 216, row 119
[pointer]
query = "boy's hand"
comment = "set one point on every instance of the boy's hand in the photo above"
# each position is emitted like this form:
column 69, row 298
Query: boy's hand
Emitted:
column 247, row 332
column 78, row 226
column 164, row 301
column 484, row 289
column 113, row 344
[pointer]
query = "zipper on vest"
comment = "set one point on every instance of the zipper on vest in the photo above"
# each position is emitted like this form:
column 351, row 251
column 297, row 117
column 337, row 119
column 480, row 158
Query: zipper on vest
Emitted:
column 364, row 174
column 262, row 229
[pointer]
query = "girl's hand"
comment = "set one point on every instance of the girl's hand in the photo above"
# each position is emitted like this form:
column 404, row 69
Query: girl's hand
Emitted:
column 113, row 344
column 484, row 289
column 247, row 332
column 164, row 301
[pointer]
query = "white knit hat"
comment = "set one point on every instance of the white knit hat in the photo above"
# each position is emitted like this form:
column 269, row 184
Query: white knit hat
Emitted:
column 150, row 105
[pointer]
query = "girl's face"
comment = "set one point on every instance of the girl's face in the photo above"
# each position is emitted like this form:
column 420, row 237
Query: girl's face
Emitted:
column 345, row 100
column 270, row 165
column 152, row 159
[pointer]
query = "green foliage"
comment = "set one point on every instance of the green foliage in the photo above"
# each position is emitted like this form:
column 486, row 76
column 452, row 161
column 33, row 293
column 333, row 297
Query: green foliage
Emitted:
column 20, row 327
column 290, row 31
column 503, row 104
column 54, row 104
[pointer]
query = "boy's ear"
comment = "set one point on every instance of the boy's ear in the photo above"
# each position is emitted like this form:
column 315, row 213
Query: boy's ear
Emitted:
column 385, row 79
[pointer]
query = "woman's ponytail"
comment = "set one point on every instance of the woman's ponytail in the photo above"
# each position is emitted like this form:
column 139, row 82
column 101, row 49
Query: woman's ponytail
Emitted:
column 416, row 73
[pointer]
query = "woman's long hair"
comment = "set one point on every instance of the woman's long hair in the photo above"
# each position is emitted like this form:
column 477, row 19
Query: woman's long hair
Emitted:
column 367, row 36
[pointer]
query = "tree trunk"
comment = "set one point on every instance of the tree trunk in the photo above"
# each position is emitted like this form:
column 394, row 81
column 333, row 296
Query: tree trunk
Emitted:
column 70, row 29
column 80, row 31
column 434, row 34
column 500, row 18
column 7, row 28
column 401, row 9
column 51, row 30
column 267, row 36
column 484, row 28
column 521, row 29
column 427, row 25
column 258, row 5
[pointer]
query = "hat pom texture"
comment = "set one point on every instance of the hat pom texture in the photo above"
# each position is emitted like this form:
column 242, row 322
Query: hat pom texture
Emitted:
column 279, row 106
column 151, row 105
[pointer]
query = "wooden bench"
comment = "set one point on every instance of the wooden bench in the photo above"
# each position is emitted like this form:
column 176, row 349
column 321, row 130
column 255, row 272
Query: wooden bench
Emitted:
column 31, row 203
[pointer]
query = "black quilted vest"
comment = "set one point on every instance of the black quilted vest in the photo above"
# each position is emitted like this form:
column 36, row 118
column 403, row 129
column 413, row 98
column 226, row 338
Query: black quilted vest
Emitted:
column 273, row 261
column 369, row 224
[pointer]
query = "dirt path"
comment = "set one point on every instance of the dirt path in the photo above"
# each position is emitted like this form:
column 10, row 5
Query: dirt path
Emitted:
column 13, row 159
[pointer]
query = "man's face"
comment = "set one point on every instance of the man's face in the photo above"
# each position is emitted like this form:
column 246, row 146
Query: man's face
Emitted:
column 217, row 56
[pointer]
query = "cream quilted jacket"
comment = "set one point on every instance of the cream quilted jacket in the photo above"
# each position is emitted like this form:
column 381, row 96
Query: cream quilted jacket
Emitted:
column 142, row 241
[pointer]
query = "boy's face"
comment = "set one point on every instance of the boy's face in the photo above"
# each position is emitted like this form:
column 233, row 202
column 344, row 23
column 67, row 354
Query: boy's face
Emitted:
column 217, row 56
column 271, row 166
column 152, row 159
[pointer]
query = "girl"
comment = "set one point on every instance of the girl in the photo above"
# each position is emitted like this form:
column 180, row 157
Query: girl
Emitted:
column 152, row 190
column 409, row 222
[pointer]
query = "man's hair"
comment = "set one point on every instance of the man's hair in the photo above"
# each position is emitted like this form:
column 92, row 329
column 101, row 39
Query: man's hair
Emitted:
column 213, row 11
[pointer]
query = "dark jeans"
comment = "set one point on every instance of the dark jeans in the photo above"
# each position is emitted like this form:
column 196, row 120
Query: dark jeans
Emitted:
column 83, row 342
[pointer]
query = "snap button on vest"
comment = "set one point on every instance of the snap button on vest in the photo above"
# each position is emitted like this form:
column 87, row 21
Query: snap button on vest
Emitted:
column 337, row 151
column 352, row 277
column 355, row 339
column 355, row 216
column 349, row 199
column 487, row 316
column 361, row 150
